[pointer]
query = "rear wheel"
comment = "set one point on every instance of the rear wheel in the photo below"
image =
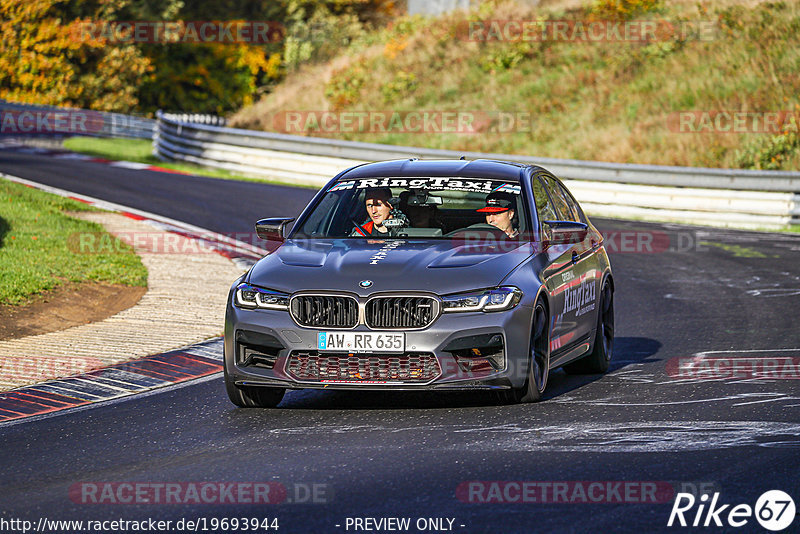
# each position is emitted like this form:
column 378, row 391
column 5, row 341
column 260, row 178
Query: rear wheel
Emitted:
column 598, row 360
column 538, row 363
column 253, row 396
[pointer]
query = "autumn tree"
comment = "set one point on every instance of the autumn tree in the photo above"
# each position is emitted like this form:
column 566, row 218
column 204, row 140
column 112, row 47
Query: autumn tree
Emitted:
column 45, row 60
column 48, row 57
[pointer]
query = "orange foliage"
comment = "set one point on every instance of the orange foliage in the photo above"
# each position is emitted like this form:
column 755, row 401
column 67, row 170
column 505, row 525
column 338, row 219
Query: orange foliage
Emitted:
column 43, row 61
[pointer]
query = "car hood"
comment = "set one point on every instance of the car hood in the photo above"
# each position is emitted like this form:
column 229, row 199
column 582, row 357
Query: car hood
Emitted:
column 439, row 266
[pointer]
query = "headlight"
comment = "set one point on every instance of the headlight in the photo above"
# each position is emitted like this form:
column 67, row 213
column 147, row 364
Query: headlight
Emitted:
column 248, row 296
column 488, row 300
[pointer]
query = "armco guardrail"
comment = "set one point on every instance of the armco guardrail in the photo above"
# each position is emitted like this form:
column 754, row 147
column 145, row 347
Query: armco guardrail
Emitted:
column 27, row 119
column 719, row 197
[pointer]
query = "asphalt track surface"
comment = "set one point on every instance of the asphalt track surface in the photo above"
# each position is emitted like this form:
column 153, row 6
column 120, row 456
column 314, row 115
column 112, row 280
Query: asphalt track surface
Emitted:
column 385, row 455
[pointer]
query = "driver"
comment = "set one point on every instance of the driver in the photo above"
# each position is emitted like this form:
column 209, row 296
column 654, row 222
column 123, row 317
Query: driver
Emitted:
column 379, row 210
column 500, row 212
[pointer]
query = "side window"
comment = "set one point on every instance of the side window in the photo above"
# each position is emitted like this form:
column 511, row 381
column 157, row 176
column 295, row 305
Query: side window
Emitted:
column 572, row 203
column 320, row 218
column 562, row 206
column 544, row 208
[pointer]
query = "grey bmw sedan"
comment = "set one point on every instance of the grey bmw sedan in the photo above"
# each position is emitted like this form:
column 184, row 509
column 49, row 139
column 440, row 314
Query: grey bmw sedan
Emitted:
column 423, row 275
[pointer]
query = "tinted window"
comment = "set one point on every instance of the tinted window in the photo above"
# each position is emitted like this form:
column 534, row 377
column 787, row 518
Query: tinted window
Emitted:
column 416, row 207
column 572, row 203
column 317, row 222
column 563, row 208
column 543, row 205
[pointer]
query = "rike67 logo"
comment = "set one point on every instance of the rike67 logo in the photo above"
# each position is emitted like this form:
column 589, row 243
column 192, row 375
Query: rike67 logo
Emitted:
column 774, row 511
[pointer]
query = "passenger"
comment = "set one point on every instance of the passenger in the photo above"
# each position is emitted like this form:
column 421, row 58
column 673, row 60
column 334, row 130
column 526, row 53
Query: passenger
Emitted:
column 500, row 212
column 379, row 210
column 420, row 215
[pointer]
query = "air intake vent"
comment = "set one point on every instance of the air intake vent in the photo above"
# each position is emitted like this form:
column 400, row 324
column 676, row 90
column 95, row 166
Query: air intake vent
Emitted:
column 401, row 312
column 412, row 368
column 328, row 311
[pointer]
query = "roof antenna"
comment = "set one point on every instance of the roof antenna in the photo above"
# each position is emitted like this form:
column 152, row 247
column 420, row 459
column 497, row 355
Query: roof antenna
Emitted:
column 462, row 157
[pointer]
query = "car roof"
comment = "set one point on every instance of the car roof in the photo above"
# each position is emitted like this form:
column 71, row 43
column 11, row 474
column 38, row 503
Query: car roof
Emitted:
column 479, row 168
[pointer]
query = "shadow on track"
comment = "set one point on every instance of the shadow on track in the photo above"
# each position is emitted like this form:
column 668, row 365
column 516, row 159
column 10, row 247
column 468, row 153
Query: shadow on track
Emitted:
column 315, row 399
column 627, row 350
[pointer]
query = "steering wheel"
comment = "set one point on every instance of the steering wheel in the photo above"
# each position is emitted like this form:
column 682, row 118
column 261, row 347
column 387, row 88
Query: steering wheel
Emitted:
column 483, row 226
column 476, row 226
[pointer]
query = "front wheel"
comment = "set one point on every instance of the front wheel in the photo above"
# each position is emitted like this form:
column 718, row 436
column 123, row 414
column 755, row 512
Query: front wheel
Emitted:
column 252, row 396
column 538, row 363
column 598, row 360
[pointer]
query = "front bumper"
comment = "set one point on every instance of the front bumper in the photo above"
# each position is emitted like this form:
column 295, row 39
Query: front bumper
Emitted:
column 271, row 339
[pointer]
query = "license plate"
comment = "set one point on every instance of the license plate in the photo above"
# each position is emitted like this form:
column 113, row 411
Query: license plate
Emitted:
column 361, row 341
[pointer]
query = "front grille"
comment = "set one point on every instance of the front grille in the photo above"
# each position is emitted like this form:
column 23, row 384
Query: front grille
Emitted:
column 331, row 311
column 401, row 312
column 412, row 368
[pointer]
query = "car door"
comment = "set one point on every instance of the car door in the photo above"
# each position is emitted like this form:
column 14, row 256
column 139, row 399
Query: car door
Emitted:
column 559, row 272
column 580, row 297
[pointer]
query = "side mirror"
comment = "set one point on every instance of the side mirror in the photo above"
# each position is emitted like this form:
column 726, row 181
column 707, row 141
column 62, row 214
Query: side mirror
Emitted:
column 272, row 229
column 565, row 232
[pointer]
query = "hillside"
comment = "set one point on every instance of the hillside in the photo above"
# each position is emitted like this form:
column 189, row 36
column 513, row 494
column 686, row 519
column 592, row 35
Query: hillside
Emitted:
column 672, row 97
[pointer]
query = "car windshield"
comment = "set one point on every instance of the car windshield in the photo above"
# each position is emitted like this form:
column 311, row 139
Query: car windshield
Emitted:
column 441, row 207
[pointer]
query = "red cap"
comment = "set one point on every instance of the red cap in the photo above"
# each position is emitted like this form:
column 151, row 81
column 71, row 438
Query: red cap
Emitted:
column 496, row 204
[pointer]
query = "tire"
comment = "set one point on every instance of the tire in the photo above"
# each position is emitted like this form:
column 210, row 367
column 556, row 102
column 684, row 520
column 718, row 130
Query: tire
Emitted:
column 597, row 361
column 538, row 364
column 253, row 396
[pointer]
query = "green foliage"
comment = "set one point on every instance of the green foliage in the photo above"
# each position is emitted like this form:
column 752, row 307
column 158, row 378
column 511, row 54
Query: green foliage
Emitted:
column 264, row 10
column 318, row 35
column 204, row 78
column 506, row 57
column 773, row 152
column 624, row 9
column 45, row 60
column 345, row 85
column 403, row 84
column 222, row 78
column 611, row 100
column 45, row 57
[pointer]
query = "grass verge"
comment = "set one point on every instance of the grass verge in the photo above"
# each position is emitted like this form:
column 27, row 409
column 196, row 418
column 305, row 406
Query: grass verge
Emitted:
column 140, row 151
column 36, row 254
